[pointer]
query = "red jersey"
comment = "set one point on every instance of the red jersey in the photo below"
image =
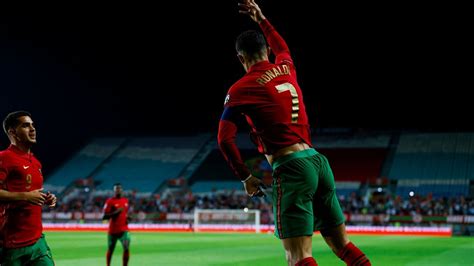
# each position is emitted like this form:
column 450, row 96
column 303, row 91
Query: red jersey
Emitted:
column 3, row 208
column 119, row 223
column 21, row 172
column 271, row 100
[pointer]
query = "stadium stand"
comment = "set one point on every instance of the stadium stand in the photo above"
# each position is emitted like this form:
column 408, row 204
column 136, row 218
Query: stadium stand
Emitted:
column 440, row 163
column 83, row 164
column 141, row 164
column 168, row 177
column 144, row 163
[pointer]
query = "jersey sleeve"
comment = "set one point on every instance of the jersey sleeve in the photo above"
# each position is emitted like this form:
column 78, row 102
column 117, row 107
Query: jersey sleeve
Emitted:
column 277, row 44
column 236, row 96
column 226, row 140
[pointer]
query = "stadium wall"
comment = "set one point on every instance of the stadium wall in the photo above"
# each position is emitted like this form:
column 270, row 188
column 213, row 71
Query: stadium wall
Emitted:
column 370, row 230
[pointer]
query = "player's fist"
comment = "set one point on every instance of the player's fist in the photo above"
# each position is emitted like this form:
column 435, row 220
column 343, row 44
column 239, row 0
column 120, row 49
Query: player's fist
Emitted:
column 50, row 200
column 254, row 187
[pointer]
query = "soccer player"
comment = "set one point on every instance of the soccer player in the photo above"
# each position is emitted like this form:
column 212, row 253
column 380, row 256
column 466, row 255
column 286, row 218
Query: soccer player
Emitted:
column 268, row 95
column 116, row 209
column 21, row 195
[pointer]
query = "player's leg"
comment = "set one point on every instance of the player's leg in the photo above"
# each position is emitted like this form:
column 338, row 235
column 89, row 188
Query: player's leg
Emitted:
column 12, row 257
column 111, row 242
column 37, row 254
column 337, row 239
column 43, row 261
column 125, row 240
column 43, row 256
column 297, row 249
column 329, row 218
column 294, row 185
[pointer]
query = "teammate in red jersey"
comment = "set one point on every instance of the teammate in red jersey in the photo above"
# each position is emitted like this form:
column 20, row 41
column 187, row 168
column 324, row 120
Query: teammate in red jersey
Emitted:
column 2, row 223
column 268, row 95
column 116, row 209
column 21, row 184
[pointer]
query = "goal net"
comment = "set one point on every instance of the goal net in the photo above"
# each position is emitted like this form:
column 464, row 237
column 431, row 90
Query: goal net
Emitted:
column 209, row 220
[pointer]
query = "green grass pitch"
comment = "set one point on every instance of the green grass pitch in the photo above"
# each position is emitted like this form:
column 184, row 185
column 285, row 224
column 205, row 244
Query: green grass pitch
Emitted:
column 88, row 248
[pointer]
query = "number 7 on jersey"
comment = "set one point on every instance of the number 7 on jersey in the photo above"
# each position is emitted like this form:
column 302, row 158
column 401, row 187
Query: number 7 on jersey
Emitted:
column 294, row 99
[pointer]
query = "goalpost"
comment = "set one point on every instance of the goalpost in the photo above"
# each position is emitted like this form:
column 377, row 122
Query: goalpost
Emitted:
column 214, row 220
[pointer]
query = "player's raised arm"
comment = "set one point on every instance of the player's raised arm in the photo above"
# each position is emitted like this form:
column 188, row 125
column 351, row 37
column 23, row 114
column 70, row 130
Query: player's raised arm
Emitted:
column 277, row 44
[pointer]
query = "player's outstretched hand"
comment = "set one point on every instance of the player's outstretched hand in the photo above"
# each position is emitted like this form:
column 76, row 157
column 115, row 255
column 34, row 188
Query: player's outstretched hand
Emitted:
column 249, row 7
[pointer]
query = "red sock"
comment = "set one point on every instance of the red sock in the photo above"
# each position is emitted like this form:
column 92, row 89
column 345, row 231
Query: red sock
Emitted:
column 352, row 255
column 126, row 255
column 109, row 257
column 309, row 261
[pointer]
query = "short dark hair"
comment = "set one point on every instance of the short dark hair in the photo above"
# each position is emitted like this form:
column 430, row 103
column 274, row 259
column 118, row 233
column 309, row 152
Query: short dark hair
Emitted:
column 11, row 120
column 250, row 42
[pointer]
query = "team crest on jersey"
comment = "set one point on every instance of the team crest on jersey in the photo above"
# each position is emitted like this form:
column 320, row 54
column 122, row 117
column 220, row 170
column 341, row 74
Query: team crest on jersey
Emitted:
column 227, row 98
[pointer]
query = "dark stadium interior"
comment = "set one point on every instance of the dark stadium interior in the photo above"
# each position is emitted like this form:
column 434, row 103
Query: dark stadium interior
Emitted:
column 124, row 69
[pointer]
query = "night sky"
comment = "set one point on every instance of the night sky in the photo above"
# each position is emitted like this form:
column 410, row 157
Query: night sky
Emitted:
column 93, row 70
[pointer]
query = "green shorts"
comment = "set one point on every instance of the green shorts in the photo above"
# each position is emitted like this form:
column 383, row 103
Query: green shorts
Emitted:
column 304, row 195
column 37, row 254
column 124, row 238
